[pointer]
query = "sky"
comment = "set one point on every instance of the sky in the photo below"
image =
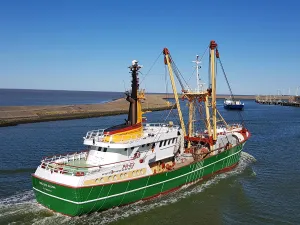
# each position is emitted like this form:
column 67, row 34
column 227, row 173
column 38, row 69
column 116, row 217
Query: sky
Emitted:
column 88, row 45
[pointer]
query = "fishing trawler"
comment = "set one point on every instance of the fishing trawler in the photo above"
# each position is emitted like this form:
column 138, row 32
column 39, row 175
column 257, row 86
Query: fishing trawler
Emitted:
column 136, row 161
column 233, row 104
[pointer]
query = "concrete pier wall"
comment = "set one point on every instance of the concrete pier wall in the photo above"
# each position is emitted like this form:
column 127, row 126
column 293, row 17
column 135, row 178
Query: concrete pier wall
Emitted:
column 13, row 115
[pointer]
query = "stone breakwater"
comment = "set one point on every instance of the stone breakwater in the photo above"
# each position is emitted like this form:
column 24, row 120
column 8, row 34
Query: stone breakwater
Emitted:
column 14, row 115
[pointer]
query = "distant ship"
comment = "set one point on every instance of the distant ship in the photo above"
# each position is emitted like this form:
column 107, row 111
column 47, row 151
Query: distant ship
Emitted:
column 233, row 104
column 135, row 161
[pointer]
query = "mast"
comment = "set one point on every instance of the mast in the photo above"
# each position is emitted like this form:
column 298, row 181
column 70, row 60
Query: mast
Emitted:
column 197, row 62
column 212, row 47
column 191, row 117
column 133, row 98
column 167, row 62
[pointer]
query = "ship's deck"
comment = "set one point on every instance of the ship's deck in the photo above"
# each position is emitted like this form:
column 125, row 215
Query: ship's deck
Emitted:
column 72, row 167
column 67, row 164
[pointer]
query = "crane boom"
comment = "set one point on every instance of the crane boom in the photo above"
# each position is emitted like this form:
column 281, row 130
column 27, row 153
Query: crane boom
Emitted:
column 168, row 63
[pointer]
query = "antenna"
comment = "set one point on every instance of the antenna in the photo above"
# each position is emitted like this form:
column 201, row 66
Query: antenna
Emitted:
column 197, row 62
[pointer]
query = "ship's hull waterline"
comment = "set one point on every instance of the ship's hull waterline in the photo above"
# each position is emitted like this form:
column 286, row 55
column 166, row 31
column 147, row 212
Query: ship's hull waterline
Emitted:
column 83, row 200
column 234, row 107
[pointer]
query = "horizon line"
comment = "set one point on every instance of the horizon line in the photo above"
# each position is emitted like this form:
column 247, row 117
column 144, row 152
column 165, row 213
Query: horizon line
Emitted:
column 31, row 89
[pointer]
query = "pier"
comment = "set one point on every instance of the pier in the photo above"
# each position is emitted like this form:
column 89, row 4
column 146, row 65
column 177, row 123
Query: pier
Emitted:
column 14, row 115
column 278, row 100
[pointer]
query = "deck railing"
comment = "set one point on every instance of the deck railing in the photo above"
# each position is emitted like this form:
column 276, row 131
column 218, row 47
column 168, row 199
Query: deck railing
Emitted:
column 94, row 133
column 99, row 136
column 59, row 164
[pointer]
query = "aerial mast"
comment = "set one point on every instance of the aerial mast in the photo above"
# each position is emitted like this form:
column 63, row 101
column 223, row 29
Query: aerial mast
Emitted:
column 197, row 62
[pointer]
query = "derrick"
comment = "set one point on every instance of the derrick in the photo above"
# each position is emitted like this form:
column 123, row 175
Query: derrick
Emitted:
column 168, row 61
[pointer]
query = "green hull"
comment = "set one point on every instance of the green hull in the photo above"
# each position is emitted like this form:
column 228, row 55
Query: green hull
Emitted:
column 83, row 200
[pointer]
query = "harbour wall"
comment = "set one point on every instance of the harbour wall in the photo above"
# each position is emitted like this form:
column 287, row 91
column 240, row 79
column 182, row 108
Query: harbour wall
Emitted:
column 14, row 115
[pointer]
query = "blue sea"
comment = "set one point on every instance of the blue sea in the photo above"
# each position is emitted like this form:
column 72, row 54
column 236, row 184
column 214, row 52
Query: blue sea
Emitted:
column 263, row 189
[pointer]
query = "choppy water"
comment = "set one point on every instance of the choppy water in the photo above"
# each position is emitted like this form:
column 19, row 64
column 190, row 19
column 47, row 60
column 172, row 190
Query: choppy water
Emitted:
column 263, row 189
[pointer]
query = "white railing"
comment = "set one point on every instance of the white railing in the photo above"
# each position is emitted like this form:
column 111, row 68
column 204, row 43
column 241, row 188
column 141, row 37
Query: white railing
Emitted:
column 195, row 91
column 66, row 158
column 59, row 164
column 94, row 133
column 99, row 136
column 160, row 125
column 63, row 168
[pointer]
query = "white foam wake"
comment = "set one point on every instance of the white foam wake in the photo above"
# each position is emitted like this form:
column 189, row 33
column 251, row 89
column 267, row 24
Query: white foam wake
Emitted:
column 24, row 209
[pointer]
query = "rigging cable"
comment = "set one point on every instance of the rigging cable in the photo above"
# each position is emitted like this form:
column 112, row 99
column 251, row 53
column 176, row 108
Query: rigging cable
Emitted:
column 151, row 67
column 178, row 74
column 231, row 94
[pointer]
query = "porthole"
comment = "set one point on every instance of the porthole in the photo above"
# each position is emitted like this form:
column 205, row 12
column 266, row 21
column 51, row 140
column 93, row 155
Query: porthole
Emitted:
column 97, row 180
column 110, row 178
column 142, row 171
column 126, row 175
column 133, row 173
column 138, row 172
column 115, row 177
column 102, row 180
column 122, row 176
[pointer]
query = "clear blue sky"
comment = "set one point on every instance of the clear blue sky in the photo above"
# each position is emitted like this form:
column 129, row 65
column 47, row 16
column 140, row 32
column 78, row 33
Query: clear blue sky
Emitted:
column 87, row 45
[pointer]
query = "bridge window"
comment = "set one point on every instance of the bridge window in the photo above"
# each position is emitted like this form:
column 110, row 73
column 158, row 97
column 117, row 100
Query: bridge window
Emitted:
column 160, row 143
column 165, row 142
column 125, row 149
column 169, row 141
column 105, row 149
column 99, row 149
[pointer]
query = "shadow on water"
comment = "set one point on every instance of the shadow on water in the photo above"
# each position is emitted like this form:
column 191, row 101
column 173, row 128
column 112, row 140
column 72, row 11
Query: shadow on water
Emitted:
column 22, row 208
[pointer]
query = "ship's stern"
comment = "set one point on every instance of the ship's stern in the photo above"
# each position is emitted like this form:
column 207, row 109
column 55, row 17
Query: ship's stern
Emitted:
column 56, row 197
